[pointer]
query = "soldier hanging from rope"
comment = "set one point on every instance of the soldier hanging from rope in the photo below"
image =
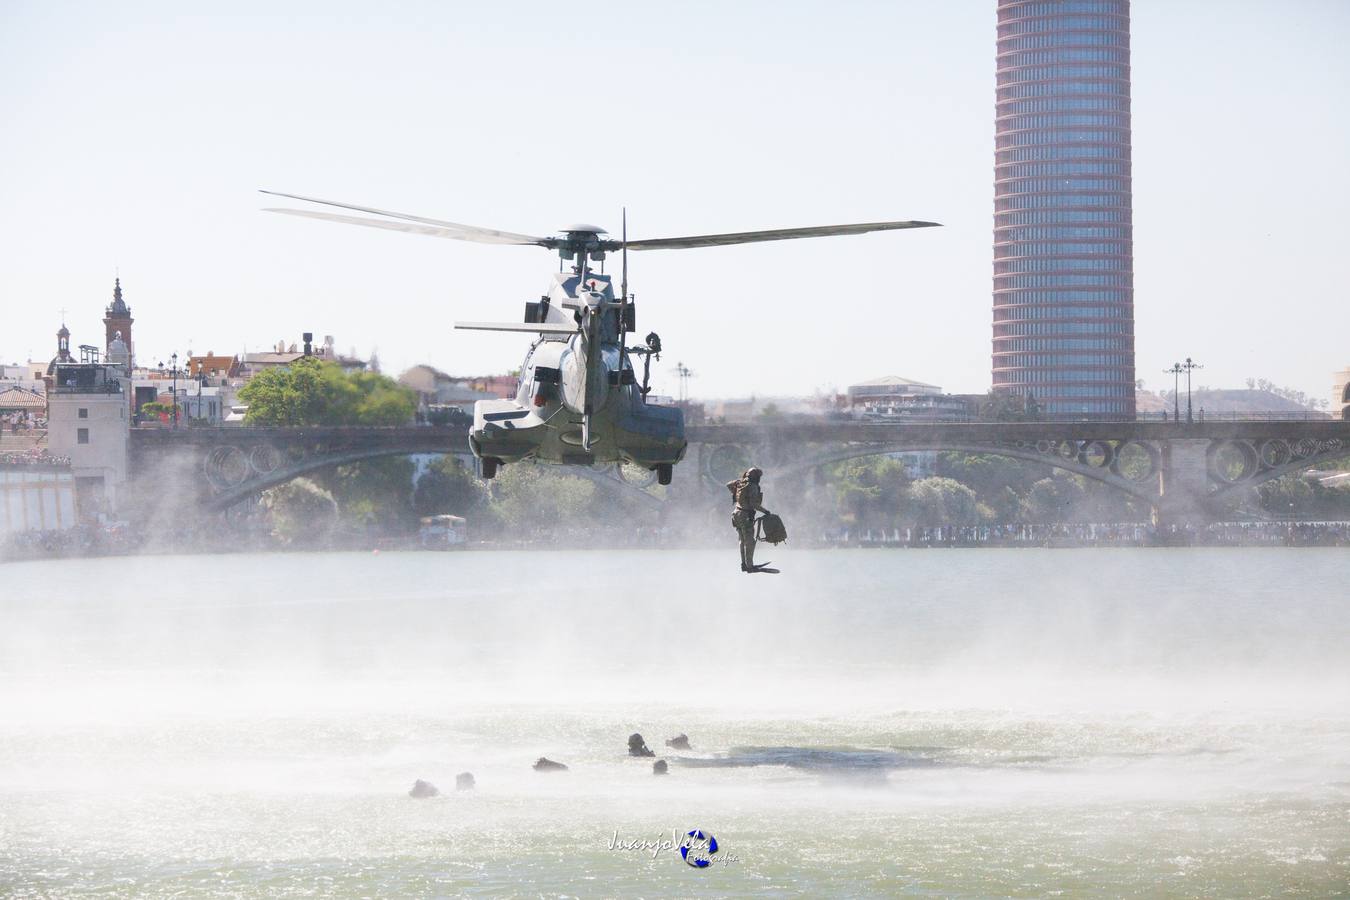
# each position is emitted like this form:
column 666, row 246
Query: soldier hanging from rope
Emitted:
column 748, row 499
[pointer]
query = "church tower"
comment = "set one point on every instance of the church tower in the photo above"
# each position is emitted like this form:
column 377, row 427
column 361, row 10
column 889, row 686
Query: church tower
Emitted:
column 118, row 318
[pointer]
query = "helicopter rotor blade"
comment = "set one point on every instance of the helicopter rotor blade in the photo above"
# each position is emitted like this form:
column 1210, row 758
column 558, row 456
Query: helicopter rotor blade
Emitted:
column 779, row 234
column 410, row 227
column 460, row 232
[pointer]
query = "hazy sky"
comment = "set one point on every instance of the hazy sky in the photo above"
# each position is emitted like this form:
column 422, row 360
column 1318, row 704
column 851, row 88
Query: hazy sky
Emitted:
column 136, row 135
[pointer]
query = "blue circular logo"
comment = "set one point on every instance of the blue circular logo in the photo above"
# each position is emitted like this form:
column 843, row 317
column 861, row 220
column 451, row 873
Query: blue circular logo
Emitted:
column 698, row 849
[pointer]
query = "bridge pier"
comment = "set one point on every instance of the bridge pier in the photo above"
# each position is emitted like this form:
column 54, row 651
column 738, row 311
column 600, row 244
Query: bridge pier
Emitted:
column 1183, row 483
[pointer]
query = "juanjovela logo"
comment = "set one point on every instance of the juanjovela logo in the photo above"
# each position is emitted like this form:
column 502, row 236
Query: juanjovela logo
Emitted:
column 697, row 848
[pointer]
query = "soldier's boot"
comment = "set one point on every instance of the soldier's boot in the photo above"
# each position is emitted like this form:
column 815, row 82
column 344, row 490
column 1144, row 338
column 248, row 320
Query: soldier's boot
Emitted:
column 749, row 555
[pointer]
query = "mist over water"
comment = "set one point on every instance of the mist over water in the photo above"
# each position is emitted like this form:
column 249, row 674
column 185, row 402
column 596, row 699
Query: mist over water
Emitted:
column 960, row 722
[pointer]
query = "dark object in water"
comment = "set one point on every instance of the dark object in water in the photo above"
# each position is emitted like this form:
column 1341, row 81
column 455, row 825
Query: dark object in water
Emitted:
column 637, row 746
column 679, row 742
column 660, row 768
column 770, row 528
column 422, row 789
column 464, row 781
column 544, row 764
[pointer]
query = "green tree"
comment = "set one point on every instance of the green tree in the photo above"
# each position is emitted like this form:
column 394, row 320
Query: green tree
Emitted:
column 1055, row 499
column 373, row 494
column 448, row 487
column 312, row 392
column 870, row 491
column 303, row 513
column 943, row 501
column 1301, row 497
column 536, row 500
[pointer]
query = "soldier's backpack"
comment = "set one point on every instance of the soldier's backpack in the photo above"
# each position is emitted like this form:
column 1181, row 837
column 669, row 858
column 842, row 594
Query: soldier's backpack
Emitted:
column 770, row 528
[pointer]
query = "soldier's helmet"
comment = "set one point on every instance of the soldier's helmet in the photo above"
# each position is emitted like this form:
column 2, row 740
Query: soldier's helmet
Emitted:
column 754, row 473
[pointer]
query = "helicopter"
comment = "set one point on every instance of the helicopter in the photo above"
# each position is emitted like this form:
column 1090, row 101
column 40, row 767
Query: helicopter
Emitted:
column 578, row 401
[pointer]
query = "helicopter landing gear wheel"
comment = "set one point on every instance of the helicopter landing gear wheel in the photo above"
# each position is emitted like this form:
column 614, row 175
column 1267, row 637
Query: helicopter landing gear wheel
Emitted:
column 488, row 466
column 664, row 472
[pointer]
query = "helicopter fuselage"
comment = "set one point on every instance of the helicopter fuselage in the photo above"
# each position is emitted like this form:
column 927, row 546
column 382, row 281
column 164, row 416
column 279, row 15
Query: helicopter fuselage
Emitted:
column 578, row 401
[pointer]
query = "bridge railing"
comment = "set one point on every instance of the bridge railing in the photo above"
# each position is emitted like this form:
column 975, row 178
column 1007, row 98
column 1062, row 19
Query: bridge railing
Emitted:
column 1307, row 416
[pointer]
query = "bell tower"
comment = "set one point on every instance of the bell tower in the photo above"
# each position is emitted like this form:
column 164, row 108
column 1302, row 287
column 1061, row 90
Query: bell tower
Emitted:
column 118, row 318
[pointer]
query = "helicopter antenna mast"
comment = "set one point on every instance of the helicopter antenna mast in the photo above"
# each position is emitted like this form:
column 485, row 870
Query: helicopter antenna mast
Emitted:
column 623, row 300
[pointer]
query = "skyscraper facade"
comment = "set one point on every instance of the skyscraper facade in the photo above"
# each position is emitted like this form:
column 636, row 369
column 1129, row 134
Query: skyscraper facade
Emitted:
column 1063, row 246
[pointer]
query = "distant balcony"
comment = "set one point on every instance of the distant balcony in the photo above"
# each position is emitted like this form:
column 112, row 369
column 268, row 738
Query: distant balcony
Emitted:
column 107, row 387
column 84, row 378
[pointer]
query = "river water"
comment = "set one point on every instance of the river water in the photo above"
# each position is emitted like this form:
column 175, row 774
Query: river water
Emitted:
column 938, row 723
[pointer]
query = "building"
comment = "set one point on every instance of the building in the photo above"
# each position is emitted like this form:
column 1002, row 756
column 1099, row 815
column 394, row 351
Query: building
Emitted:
column 203, row 404
column 213, row 368
column 1063, row 289
column 892, row 398
column 62, row 355
column 23, row 402
column 27, row 376
column 441, row 397
column 88, row 422
column 1340, row 395
column 37, row 493
column 283, row 355
column 117, row 323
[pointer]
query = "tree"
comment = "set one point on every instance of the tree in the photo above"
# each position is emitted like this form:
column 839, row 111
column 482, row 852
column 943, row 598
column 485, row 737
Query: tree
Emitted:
column 942, row 501
column 1056, row 499
column 311, row 392
column 534, row 499
column 448, row 487
column 302, row 512
column 870, row 490
column 373, row 494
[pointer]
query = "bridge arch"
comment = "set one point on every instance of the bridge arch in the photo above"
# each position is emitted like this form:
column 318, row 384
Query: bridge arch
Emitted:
column 1143, row 489
column 261, row 482
column 1331, row 451
column 1140, row 490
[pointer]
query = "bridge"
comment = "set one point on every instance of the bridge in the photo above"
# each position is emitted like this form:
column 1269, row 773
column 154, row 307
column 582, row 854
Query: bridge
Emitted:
column 1180, row 469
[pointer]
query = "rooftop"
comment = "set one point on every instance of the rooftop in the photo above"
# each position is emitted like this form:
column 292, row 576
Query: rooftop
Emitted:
column 893, row 381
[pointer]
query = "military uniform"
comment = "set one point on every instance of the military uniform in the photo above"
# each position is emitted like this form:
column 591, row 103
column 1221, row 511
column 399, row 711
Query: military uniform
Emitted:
column 749, row 499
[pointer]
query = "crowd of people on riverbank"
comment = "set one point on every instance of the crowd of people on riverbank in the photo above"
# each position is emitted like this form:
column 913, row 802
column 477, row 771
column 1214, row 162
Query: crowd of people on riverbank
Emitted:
column 1126, row 534
column 82, row 540
column 120, row 539
column 33, row 456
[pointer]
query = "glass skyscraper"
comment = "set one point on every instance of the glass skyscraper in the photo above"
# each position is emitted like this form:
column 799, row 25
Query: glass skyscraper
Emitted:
column 1063, row 257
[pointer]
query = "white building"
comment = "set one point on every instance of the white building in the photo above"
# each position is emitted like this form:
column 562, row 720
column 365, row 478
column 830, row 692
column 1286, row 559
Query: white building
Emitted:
column 88, row 421
column 892, row 398
column 36, row 495
column 204, row 404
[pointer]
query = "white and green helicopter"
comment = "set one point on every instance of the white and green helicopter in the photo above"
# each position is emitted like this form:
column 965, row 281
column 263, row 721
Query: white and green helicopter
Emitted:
column 579, row 401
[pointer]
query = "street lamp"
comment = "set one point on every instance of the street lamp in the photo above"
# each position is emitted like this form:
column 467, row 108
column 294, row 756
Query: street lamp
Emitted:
column 173, row 369
column 1188, row 366
column 1176, row 371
